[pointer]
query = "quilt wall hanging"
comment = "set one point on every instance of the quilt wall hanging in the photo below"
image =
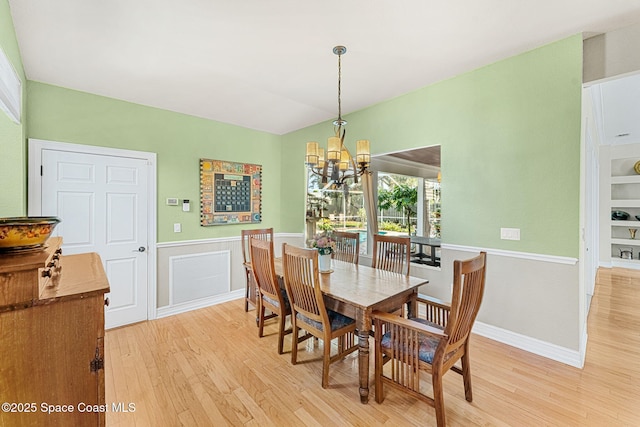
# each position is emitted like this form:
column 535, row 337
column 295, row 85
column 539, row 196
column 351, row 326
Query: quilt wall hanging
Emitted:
column 230, row 192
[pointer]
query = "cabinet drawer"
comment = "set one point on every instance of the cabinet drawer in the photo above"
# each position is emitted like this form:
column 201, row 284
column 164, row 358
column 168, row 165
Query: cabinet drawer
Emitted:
column 22, row 276
column 49, row 274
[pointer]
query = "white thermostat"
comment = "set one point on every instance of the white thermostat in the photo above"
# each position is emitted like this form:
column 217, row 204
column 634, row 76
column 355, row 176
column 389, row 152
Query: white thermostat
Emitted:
column 185, row 205
column 172, row 201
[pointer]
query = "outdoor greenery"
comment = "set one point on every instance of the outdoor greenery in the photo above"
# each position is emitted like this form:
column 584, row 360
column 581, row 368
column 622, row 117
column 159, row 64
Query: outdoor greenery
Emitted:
column 391, row 226
column 401, row 197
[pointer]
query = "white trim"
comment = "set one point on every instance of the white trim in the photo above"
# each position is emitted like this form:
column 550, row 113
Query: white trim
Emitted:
column 10, row 89
column 217, row 240
column 513, row 254
column 532, row 345
column 92, row 149
column 171, row 310
column 34, row 205
column 583, row 344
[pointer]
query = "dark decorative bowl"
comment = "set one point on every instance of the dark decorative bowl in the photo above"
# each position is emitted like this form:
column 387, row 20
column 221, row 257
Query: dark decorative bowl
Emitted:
column 22, row 233
column 638, row 217
column 619, row 215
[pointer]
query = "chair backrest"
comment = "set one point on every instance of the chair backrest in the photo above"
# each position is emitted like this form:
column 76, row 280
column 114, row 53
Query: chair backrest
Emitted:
column 392, row 253
column 263, row 269
column 347, row 246
column 302, row 280
column 468, row 289
column 260, row 233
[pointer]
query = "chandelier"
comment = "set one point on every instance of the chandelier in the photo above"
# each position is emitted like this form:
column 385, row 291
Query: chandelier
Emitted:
column 338, row 164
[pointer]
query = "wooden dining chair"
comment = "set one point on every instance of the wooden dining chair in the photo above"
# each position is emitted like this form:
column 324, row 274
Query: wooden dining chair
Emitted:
column 432, row 343
column 270, row 295
column 250, row 295
column 302, row 280
column 392, row 253
column 347, row 246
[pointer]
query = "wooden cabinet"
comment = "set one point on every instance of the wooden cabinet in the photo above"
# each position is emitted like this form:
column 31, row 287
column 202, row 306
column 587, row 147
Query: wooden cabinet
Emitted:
column 51, row 339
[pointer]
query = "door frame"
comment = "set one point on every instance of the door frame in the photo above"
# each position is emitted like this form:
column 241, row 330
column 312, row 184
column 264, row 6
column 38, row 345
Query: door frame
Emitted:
column 34, row 205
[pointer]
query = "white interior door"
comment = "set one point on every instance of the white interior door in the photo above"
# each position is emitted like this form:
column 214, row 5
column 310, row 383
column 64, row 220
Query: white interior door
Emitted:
column 102, row 202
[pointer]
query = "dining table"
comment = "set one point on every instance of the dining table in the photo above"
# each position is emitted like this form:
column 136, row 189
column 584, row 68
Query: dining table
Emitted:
column 356, row 290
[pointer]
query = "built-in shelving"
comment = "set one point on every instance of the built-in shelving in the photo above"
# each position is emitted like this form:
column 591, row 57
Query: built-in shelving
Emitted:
column 625, row 242
column 635, row 179
column 625, row 263
column 628, row 224
column 625, row 196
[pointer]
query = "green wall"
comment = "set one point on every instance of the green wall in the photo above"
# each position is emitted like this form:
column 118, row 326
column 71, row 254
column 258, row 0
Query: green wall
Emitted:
column 65, row 115
column 510, row 138
column 13, row 174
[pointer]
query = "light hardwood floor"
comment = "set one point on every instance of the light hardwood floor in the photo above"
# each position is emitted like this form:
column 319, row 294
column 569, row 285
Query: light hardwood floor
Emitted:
column 209, row 368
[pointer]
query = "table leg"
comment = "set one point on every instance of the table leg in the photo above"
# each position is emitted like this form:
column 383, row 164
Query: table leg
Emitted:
column 363, row 363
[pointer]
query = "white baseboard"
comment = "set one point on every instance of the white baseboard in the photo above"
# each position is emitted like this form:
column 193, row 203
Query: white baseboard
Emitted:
column 532, row 345
column 583, row 345
column 523, row 342
column 200, row 303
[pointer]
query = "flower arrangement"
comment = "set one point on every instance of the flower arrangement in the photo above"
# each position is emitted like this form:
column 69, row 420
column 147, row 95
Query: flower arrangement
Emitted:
column 324, row 243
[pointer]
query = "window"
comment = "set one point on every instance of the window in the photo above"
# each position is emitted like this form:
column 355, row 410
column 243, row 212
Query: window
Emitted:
column 342, row 209
column 419, row 167
column 397, row 203
column 432, row 204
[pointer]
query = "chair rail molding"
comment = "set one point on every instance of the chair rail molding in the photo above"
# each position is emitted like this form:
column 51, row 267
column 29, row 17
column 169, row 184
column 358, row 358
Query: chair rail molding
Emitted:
column 514, row 254
column 220, row 239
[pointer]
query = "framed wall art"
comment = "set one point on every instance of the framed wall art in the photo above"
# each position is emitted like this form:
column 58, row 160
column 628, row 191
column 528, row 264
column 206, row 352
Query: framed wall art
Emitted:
column 230, row 193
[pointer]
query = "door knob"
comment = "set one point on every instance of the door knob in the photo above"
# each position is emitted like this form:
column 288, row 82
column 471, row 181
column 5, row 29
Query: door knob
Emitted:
column 141, row 249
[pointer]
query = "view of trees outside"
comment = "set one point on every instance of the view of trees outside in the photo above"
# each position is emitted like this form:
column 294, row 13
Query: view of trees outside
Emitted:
column 397, row 203
column 397, row 206
column 345, row 209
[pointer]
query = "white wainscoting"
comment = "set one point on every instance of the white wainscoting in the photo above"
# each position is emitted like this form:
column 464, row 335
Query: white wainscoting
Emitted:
column 530, row 301
column 194, row 274
column 525, row 302
column 197, row 276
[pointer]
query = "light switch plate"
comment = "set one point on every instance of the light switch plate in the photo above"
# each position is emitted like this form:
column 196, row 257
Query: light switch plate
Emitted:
column 177, row 227
column 510, row 233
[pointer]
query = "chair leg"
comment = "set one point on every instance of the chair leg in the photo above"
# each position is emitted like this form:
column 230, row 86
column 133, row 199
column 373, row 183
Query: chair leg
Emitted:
column 466, row 376
column 294, row 340
column 246, row 296
column 260, row 319
column 326, row 360
column 438, row 397
column 378, row 366
column 281, row 323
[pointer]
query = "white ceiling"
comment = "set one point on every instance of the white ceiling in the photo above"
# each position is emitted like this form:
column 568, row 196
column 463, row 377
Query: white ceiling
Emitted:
column 269, row 65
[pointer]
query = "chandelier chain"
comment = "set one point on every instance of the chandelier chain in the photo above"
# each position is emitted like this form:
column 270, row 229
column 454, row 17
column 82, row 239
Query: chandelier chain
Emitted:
column 339, row 165
column 339, row 88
